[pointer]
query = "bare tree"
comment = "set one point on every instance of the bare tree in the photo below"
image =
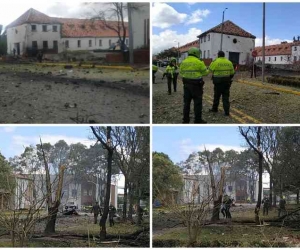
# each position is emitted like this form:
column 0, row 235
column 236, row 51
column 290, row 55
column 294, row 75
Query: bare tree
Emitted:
column 52, row 205
column 104, row 136
column 253, row 136
column 192, row 205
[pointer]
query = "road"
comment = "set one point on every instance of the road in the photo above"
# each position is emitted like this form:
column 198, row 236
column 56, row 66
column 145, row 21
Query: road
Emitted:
column 251, row 102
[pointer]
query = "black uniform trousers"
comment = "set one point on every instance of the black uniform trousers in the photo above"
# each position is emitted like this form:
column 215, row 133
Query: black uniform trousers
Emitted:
column 153, row 76
column 172, row 80
column 221, row 89
column 192, row 90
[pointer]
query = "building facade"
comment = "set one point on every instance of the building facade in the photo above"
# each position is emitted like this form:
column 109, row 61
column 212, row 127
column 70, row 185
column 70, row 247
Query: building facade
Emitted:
column 237, row 43
column 276, row 54
column 35, row 31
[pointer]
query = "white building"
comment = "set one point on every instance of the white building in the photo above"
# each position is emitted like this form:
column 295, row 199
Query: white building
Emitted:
column 278, row 54
column 296, row 51
column 237, row 43
column 35, row 31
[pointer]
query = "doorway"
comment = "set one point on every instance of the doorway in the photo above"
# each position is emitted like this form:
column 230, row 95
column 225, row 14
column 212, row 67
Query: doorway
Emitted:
column 234, row 57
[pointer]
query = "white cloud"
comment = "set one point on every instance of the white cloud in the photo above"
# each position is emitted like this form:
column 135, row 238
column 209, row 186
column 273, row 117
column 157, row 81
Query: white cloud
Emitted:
column 8, row 129
column 20, row 142
column 270, row 41
column 164, row 16
column 197, row 16
column 186, row 147
column 165, row 39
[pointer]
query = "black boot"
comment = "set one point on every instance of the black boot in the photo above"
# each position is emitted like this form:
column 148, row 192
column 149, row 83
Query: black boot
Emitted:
column 201, row 122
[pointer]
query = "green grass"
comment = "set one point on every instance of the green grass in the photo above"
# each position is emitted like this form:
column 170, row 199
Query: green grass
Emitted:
column 243, row 235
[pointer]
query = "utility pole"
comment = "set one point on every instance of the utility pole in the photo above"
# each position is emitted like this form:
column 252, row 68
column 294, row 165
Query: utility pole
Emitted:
column 131, row 57
column 222, row 28
column 263, row 43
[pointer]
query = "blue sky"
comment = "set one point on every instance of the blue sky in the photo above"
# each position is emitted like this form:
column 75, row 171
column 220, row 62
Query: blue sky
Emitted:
column 191, row 19
column 179, row 142
column 15, row 138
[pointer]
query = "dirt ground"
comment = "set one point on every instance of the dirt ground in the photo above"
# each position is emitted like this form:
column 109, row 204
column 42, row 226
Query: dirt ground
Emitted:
column 44, row 94
column 249, row 104
column 80, row 231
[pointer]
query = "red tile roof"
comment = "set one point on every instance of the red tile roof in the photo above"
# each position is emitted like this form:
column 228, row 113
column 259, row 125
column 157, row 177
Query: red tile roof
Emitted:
column 187, row 46
column 229, row 28
column 71, row 27
column 32, row 16
column 278, row 49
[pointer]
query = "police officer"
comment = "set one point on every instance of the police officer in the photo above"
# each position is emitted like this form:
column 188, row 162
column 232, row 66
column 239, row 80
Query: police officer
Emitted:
column 111, row 214
column 175, row 73
column 192, row 69
column 223, row 71
column 96, row 210
column 282, row 208
column 154, row 70
column 266, row 205
column 170, row 72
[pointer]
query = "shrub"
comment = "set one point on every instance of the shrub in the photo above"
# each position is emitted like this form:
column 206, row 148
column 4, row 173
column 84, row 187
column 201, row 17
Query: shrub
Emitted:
column 167, row 243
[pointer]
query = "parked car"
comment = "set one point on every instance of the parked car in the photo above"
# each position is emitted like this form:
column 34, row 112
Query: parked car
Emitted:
column 164, row 63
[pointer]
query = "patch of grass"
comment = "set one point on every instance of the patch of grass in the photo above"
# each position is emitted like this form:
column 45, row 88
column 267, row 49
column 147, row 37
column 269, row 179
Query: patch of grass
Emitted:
column 236, row 235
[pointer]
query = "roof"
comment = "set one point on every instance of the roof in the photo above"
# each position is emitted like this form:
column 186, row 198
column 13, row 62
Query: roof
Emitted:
column 32, row 16
column 71, row 27
column 187, row 46
column 274, row 50
column 229, row 28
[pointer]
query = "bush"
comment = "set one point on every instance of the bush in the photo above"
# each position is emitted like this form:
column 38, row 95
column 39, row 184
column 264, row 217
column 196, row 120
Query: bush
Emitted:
column 284, row 80
column 167, row 243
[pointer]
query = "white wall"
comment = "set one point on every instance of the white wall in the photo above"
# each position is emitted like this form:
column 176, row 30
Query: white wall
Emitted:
column 73, row 43
column 278, row 59
column 296, row 53
column 244, row 46
column 16, row 35
column 138, row 18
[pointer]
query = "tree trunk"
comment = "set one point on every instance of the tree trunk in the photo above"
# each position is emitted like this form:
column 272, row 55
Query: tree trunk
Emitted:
column 107, row 197
column 298, row 196
column 139, row 212
column 271, row 190
column 52, row 213
column 125, row 199
column 131, row 200
column 258, row 204
column 274, row 200
column 216, row 209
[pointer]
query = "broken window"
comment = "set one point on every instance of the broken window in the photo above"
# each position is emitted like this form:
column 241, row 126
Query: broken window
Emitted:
column 44, row 28
column 100, row 43
column 34, row 44
column 54, row 28
column 67, row 43
column 33, row 27
column 55, row 44
column 90, row 43
column 78, row 43
column 45, row 44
